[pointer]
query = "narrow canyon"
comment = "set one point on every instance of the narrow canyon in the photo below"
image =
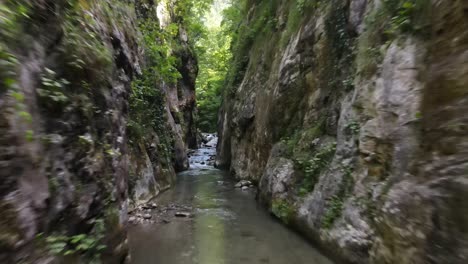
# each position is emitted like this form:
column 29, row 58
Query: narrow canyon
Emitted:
column 234, row 131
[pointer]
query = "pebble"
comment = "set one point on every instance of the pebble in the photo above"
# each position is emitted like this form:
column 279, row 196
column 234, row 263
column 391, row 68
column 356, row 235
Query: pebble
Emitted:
column 182, row 214
column 147, row 216
column 243, row 183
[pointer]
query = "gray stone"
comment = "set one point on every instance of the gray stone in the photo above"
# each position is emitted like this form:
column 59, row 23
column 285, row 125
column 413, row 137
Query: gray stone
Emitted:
column 243, row 183
column 147, row 216
column 398, row 118
column 277, row 179
column 183, row 214
column 132, row 219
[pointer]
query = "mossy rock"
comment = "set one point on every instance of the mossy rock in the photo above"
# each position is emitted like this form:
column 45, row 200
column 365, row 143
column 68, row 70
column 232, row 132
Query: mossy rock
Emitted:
column 283, row 209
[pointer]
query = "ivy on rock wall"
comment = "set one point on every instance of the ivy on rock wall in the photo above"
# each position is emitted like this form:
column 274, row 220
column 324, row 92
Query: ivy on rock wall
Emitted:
column 65, row 75
column 162, row 37
column 82, row 84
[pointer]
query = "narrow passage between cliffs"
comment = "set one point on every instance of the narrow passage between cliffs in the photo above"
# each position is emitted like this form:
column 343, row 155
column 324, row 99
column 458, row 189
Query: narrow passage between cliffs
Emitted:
column 205, row 219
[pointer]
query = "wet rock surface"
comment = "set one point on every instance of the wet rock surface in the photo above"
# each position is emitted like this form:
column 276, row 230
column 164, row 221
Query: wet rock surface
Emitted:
column 152, row 213
column 72, row 168
column 357, row 139
column 243, row 183
column 68, row 159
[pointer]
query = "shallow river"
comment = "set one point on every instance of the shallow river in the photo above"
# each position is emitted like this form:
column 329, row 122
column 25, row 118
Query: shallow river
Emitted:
column 227, row 226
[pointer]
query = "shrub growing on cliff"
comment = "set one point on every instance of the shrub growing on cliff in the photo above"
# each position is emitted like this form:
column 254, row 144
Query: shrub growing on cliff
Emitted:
column 85, row 52
column 313, row 166
column 53, row 88
column 159, row 49
column 146, row 106
column 336, row 203
column 405, row 15
column 89, row 246
column 282, row 209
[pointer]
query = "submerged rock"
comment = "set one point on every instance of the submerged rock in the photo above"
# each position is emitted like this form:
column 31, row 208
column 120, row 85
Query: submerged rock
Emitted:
column 183, row 214
column 149, row 206
column 147, row 216
column 243, row 183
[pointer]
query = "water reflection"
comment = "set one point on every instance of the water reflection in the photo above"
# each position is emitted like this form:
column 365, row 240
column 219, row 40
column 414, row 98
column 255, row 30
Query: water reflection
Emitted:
column 228, row 226
column 208, row 227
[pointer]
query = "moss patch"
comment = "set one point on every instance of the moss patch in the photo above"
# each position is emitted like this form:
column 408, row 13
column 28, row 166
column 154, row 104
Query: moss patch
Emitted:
column 283, row 210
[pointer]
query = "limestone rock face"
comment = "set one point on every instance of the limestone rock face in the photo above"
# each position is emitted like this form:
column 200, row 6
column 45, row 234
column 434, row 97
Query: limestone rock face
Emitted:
column 153, row 164
column 353, row 124
column 66, row 164
column 277, row 178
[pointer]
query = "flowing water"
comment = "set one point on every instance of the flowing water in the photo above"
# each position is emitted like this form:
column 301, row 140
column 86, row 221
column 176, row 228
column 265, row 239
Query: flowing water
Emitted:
column 226, row 227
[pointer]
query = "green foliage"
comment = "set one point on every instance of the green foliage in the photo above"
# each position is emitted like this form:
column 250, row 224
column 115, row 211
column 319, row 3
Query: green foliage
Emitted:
column 53, row 88
column 244, row 34
column 334, row 208
column 215, row 54
column 402, row 20
column 300, row 5
column 394, row 18
column 159, row 43
column 8, row 83
column 339, row 69
column 146, row 106
column 301, row 141
column 282, row 209
column 335, row 205
column 12, row 14
column 298, row 10
column 313, row 166
column 190, row 14
column 87, row 245
column 148, row 114
column 8, row 64
column 29, row 135
column 353, row 127
column 404, row 15
column 369, row 53
column 162, row 42
column 306, row 5
column 84, row 50
column 291, row 143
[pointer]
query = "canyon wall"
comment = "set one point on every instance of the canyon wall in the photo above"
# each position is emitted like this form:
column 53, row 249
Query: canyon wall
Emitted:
column 70, row 169
column 162, row 151
column 350, row 116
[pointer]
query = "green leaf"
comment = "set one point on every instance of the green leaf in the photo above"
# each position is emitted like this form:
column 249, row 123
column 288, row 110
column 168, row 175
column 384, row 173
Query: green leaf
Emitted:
column 69, row 252
column 408, row 5
column 57, row 247
column 9, row 82
column 25, row 116
column 18, row 96
column 101, row 247
column 77, row 238
column 29, row 135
